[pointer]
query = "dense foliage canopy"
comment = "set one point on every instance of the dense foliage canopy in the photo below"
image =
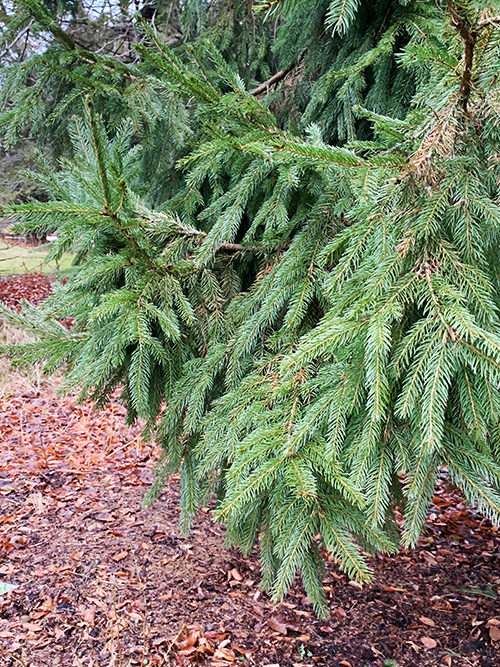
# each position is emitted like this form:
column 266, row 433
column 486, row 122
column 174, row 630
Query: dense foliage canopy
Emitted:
column 286, row 227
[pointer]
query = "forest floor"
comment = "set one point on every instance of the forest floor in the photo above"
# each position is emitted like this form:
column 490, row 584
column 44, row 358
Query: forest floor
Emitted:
column 96, row 580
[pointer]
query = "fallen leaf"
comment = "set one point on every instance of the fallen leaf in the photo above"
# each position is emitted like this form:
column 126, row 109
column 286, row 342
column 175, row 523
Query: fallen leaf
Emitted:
column 241, row 651
column 32, row 627
column 277, row 625
column 38, row 502
column 224, row 654
column 189, row 650
column 160, row 641
column 88, row 616
column 494, row 631
column 428, row 642
column 427, row 621
column 47, row 604
column 119, row 556
column 190, row 641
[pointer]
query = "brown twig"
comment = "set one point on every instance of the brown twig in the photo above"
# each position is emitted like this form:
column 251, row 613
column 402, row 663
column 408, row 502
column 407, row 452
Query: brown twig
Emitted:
column 13, row 656
column 493, row 20
column 469, row 34
column 174, row 641
column 276, row 78
column 236, row 247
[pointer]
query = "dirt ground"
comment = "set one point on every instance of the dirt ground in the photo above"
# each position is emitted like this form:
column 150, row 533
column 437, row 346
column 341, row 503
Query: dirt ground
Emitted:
column 103, row 582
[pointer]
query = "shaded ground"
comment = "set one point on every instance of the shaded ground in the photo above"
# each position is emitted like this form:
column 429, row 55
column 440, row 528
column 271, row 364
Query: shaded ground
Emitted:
column 103, row 582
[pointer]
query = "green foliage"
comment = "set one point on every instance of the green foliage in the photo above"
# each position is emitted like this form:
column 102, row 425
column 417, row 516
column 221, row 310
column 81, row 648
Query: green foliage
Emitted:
column 309, row 327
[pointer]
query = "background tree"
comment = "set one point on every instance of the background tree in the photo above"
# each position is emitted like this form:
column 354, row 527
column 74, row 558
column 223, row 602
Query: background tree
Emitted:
column 295, row 287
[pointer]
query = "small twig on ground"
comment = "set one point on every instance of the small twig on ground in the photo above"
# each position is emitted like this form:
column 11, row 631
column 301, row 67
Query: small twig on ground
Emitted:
column 13, row 656
column 174, row 640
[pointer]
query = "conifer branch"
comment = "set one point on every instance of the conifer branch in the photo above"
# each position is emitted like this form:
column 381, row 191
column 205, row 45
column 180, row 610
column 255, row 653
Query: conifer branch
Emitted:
column 317, row 309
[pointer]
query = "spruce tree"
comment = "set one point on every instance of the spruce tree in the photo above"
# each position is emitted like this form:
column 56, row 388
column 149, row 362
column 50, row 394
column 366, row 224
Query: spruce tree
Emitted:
column 294, row 283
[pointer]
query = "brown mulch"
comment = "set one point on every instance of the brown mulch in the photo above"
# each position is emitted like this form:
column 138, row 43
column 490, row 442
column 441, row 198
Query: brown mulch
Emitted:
column 34, row 287
column 103, row 582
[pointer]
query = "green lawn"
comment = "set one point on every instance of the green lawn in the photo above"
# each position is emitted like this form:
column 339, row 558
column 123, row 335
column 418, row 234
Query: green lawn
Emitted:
column 22, row 259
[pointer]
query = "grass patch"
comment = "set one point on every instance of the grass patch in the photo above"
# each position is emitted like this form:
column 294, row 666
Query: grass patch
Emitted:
column 24, row 259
